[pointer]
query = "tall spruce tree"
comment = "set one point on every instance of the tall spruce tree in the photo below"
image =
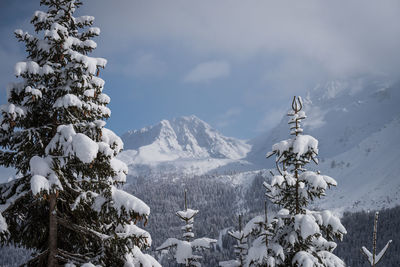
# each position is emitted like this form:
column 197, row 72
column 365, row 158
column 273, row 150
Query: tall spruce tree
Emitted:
column 66, row 205
column 298, row 236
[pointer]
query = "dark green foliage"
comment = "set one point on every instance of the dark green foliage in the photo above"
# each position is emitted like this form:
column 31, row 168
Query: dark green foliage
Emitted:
column 58, row 98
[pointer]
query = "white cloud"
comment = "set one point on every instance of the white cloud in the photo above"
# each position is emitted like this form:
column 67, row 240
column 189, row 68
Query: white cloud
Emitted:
column 228, row 117
column 315, row 118
column 207, row 71
column 270, row 119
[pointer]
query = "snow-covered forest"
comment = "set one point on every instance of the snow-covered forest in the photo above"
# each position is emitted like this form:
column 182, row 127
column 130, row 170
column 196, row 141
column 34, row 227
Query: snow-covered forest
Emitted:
column 307, row 192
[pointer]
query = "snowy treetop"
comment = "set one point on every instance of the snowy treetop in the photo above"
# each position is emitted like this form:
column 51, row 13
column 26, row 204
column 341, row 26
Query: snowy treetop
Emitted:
column 300, row 145
column 187, row 214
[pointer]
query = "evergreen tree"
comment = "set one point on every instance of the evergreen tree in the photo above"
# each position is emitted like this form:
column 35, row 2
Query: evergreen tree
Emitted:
column 66, row 205
column 373, row 258
column 240, row 248
column 183, row 249
column 298, row 236
column 261, row 230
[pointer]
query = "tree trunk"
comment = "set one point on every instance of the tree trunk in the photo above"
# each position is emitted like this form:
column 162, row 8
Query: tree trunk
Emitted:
column 52, row 261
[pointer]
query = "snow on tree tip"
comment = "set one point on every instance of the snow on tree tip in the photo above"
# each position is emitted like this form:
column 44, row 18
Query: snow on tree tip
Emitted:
column 187, row 214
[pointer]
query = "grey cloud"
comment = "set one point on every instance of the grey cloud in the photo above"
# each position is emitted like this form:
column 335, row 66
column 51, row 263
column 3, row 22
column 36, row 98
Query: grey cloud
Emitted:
column 207, row 71
column 341, row 36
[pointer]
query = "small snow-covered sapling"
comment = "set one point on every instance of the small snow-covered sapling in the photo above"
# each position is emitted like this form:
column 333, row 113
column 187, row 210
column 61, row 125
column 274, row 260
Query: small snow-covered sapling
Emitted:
column 373, row 259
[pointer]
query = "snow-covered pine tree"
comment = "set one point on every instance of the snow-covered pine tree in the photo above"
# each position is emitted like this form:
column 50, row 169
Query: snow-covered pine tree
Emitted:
column 300, row 237
column 373, row 258
column 66, row 205
column 183, row 249
column 260, row 229
column 240, row 248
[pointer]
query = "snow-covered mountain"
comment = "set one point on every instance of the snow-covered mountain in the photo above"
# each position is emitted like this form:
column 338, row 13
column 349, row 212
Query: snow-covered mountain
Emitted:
column 356, row 121
column 357, row 124
column 368, row 174
column 340, row 115
column 184, row 145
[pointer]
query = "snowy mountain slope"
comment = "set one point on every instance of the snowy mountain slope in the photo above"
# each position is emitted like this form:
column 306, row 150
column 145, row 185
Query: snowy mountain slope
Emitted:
column 182, row 145
column 356, row 123
column 368, row 175
column 340, row 115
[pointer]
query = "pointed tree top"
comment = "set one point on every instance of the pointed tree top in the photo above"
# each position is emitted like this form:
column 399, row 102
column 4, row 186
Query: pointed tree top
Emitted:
column 185, row 199
column 297, row 104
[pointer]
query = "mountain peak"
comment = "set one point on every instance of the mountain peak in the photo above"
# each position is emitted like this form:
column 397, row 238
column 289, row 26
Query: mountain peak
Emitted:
column 184, row 137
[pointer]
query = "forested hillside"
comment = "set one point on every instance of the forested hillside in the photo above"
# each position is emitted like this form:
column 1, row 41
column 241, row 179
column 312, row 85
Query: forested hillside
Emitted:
column 215, row 201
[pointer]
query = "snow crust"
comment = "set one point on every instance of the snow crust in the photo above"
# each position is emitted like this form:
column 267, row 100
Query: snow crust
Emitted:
column 110, row 138
column 32, row 68
column 84, row 147
column 74, row 144
column 120, row 169
column 132, row 230
column 3, row 224
column 138, row 258
column 257, row 253
column 203, row 242
column 183, row 252
column 184, row 249
column 187, row 214
column 300, row 145
column 33, row 91
column 128, row 202
column 13, row 111
column 43, row 177
column 68, row 100
column 90, row 63
column 306, row 225
column 316, row 180
column 38, row 184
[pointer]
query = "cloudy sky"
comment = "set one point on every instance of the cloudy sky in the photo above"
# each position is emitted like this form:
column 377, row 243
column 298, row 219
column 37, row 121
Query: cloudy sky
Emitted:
column 235, row 64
